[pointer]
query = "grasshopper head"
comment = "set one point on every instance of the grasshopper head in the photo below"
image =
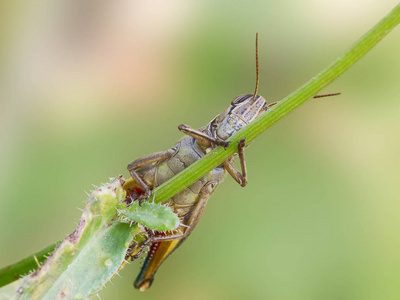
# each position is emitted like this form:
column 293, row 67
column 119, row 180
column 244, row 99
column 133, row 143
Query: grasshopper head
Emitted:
column 241, row 112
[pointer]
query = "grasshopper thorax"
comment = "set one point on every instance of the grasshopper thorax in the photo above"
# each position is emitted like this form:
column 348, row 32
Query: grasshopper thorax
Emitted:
column 241, row 112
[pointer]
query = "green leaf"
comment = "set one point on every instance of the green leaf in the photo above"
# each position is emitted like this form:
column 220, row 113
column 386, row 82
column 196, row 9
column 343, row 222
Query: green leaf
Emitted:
column 152, row 215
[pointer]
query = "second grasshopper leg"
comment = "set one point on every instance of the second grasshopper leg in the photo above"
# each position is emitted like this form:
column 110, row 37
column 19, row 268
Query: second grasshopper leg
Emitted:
column 240, row 177
column 144, row 161
column 206, row 140
column 143, row 185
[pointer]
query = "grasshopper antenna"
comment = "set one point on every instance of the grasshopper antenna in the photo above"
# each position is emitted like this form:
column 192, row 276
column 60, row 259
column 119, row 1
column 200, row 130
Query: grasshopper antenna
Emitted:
column 316, row 96
column 255, row 92
column 326, row 95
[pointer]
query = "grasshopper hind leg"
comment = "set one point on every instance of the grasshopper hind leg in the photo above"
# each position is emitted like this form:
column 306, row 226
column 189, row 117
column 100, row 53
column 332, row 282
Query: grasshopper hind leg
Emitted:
column 163, row 246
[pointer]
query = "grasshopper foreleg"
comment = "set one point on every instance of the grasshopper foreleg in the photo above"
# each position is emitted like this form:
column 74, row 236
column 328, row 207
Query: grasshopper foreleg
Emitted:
column 204, row 139
column 144, row 161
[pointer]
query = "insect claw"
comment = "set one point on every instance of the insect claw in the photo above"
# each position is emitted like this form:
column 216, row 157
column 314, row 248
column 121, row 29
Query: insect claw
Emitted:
column 242, row 143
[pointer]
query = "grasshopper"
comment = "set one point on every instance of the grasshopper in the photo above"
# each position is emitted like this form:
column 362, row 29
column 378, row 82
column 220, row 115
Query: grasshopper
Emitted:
column 152, row 170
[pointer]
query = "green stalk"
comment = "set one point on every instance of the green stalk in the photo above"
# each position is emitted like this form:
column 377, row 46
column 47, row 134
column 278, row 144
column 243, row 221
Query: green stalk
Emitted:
column 15, row 271
column 284, row 107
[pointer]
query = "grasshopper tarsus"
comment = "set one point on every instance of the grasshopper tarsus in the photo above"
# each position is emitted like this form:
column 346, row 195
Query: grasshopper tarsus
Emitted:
column 241, row 144
column 224, row 144
column 182, row 127
column 137, row 255
column 140, row 200
column 144, row 196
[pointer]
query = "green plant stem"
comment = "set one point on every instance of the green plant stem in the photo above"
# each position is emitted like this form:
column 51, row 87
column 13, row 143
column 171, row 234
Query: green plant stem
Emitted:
column 15, row 271
column 284, row 107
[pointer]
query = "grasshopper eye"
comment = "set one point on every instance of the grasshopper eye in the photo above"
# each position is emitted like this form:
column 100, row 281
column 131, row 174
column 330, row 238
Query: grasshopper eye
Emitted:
column 241, row 99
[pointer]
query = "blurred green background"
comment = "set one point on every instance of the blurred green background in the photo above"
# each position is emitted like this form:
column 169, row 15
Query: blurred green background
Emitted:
column 89, row 86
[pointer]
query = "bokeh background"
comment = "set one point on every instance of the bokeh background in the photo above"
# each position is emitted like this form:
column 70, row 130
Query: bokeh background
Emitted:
column 88, row 86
